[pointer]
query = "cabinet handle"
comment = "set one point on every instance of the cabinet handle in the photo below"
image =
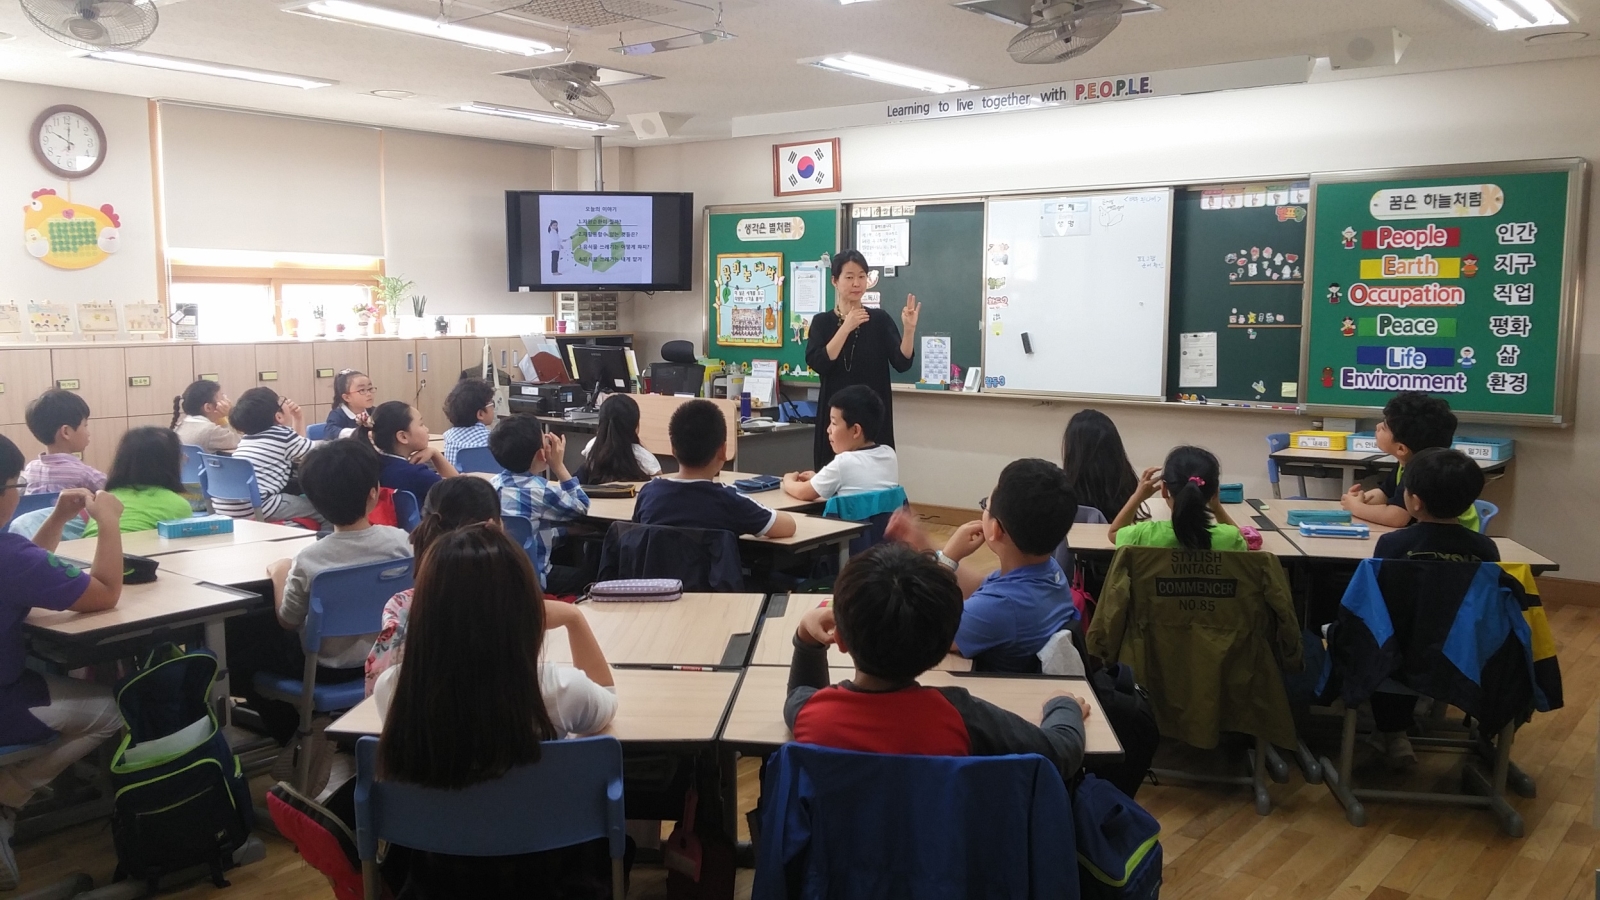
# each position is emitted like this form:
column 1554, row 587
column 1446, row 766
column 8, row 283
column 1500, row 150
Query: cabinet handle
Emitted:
column 410, row 362
column 424, row 362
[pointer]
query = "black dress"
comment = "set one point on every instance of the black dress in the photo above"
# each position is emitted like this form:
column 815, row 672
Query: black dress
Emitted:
column 865, row 359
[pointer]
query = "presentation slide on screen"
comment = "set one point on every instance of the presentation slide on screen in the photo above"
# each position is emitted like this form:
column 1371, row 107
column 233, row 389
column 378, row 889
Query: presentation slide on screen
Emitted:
column 585, row 239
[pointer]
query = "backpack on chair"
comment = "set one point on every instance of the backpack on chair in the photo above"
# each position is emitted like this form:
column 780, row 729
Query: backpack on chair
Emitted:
column 181, row 796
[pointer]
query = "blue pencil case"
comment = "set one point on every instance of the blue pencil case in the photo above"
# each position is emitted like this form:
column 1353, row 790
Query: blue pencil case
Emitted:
column 1319, row 517
column 757, row 484
column 1358, row 532
column 1231, row 492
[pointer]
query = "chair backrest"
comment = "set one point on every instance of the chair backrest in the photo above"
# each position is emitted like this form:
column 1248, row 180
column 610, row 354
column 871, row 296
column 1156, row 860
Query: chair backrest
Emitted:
column 31, row 502
column 477, row 459
column 349, row 600
column 864, row 506
column 573, row 794
column 1090, row 515
column 1486, row 512
column 703, row 559
column 317, row 432
column 228, row 478
column 406, row 510
column 520, row 529
column 1278, row 440
column 194, row 468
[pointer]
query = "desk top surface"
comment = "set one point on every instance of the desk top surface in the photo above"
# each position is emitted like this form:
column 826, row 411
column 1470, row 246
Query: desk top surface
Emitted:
column 151, row 543
column 775, row 645
column 170, row 597
column 1369, row 458
column 1092, row 538
column 699, row 629
column 236, row 564
column 1277, row 511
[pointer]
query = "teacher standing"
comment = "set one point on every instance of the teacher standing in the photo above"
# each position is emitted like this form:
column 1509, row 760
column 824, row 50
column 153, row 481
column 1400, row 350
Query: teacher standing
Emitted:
column 855, row 345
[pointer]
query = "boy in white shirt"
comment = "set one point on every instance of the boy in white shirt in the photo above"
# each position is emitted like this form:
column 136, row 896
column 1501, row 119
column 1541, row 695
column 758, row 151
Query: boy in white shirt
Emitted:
column 861, row 465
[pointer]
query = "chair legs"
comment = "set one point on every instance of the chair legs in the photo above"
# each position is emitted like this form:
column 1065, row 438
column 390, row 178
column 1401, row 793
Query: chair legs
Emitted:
column 371, row 880
column 1264, row 763
column 619, row 890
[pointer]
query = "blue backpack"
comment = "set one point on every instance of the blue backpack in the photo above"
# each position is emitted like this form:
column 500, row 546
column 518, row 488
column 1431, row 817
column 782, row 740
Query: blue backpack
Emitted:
column 181, row 797
column 1119, row 844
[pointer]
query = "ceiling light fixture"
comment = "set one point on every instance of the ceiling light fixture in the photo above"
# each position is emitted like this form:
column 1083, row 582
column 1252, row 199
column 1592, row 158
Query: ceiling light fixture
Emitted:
column 681, row 42
column 890, row 73
column 200, row 67
column 533, row 115
column 395, row 20
column 1509, row 15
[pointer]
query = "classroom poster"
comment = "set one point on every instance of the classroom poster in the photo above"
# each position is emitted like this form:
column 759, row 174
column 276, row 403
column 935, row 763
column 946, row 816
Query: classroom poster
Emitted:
column 750, row 299
column 1455, row 284
column 10, row 320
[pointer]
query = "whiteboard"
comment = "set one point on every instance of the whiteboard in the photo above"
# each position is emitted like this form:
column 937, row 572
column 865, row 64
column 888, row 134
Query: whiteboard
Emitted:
column 1085, row 278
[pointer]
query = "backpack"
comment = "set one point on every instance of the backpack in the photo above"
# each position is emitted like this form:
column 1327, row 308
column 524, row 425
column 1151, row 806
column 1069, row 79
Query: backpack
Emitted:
column 321, row 834
column 1119, row 844
column 181, row 797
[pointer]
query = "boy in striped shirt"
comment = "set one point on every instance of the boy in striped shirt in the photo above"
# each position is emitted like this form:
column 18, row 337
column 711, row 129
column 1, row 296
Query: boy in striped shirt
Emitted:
column 274, row 442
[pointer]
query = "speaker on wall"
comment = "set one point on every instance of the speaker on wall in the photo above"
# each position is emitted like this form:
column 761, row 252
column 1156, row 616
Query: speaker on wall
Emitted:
column 655, row 126
column 1367, row 48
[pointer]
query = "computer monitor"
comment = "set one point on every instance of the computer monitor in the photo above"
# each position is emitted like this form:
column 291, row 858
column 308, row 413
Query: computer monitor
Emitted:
column 677, row 378
column 602, row 369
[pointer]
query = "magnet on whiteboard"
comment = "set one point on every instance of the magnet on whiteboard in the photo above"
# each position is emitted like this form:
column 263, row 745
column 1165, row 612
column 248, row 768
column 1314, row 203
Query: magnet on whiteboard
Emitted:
column 1027, row 345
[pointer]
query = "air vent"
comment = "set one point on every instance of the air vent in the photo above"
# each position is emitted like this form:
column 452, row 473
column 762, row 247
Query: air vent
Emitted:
column 605, row 77
column 1020, row 12
column 595, row 13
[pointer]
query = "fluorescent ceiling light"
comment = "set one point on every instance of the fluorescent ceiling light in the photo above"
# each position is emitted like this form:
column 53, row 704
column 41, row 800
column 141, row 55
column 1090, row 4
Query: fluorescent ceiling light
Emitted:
column 200, row 67
column 848, row 2
column 1508, row 15
column 681, row 42
column 395, row 20
column 890, row 73
column 533, row 115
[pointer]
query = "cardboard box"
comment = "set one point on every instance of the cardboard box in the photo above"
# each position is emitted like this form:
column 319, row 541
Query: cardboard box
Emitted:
column 1318, row 440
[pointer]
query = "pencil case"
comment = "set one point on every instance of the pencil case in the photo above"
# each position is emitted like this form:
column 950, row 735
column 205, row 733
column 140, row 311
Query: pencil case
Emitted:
column 1359, row 532
column 758, row 484
column 1231, row 492
column 1319, row 517
column 195, row 527
column 138, row 569
column 617, row 490
column 635, row 590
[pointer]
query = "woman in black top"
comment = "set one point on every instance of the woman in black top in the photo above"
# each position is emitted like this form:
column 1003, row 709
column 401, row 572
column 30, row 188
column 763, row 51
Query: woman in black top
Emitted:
column 855, row 345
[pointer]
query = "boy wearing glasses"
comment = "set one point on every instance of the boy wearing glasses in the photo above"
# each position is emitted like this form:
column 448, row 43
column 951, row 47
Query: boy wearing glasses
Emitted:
column 470, row 409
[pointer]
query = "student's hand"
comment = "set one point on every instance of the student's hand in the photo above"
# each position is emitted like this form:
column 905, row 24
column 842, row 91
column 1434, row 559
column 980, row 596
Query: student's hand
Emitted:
column 910, row 312
column 555, row 455
column 1352, row 500
column 224, row 406
column 72, row 502
column 278, row 570
column 293, row 411
column 106, row 510
column 428, row 455
column 817, row 627
column 561, row 615
column 1083, row 705
column 904, row 528
column 1149, row 484
column 854, row 319
column 804, row 476
column 364, row 419
column 966, row 540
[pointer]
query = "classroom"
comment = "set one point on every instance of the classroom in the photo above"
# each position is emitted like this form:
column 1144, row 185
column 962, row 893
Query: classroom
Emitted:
column 792, row 307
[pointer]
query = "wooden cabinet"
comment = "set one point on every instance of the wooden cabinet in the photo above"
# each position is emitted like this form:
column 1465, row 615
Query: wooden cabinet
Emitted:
column 169, row 369
column 25, row 442
column 234, row 365
column 438, row 369
column 102, row 377
column 286, row 368
column 104, row 435
column 332, row 357
column 392, row 366
column 24, row 375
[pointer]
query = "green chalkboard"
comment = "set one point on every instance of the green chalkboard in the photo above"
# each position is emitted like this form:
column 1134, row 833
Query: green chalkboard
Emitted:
column 757, row 241
column 945, row 272
column 1457, row 281
column 1238, row 265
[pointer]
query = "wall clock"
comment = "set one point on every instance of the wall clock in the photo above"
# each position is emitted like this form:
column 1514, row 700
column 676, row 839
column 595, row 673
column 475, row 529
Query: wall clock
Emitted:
column 68, row 141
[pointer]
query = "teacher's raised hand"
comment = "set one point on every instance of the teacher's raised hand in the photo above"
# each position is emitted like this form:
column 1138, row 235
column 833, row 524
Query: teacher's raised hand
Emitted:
column 910, row 312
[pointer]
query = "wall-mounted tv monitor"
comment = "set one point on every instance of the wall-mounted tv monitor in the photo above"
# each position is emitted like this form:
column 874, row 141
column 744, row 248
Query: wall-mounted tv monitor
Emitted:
column 599, row 241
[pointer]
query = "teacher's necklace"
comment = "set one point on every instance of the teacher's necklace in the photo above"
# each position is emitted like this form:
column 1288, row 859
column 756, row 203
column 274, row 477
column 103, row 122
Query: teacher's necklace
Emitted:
column 850, row 342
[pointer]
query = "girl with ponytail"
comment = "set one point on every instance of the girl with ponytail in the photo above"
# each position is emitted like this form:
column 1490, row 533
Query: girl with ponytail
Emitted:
column 452, row 503
column 1188, row 482
column 200, row 417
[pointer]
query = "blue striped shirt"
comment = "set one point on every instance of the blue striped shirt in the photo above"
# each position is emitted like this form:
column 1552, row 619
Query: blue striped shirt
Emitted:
column 543, row 503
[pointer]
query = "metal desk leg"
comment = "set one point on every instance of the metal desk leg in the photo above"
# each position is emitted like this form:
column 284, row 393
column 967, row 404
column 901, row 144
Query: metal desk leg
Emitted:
column 844, row 553
column 222, row 691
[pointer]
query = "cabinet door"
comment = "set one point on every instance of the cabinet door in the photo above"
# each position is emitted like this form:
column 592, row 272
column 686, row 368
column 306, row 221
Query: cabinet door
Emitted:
column 439, row 368
column 104, row 435
column 169, row 369
column 287, row 369
column 329, row 358
column 392, row 366
column 25, row 442
column 234, row 365
column 24, row 375
column 507, row 353
column 101, row 375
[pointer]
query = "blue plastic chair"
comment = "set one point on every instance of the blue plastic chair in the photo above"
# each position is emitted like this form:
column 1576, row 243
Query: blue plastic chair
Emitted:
column 194, row 467
column 520, row 529
column 1486, row 512
column 872, row 507
column 317, row 432
column 31, row 502
column 227, row 478
column 1280, row 441
column 572, row 795
column 345, row 602
column 406, row 510
column 477, row 459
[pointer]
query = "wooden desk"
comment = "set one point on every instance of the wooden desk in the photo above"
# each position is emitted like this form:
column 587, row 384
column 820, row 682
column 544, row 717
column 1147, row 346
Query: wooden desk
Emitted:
column 1277, row 513
column 756, row 719
column 653, row 707
column 1089, row 538
column 811, row 532
column 235, row 565
column 620, row 509
column 775, row 644
column 1296, row 462
column 697, row 630
column 151, row 543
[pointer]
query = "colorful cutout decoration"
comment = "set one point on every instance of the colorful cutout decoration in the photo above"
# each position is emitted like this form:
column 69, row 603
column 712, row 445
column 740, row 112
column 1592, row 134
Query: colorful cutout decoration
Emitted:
column 68, row 235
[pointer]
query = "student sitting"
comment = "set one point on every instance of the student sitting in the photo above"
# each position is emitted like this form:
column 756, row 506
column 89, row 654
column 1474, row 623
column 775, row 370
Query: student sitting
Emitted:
column 353, row 399
column 453, row 503
column 60, row 421
column 200, row 417
column 537, row 485
column 1097, row 466
column 1412, row 422
column 1188, row 482
column 860, row 464
column 1438, row 487
column 400, row 435
column 1011, row 614
column 614, row 453
column 147, row 477
column 274, row 442
column 895, row 612
column 472, row 701
column 470, row 409
column 32, row 705
column 693, row 498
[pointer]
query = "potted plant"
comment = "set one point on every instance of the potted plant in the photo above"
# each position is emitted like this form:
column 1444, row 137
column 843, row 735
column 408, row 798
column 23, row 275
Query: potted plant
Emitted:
column 391, row 289
column 320, row 315
column 364, row 313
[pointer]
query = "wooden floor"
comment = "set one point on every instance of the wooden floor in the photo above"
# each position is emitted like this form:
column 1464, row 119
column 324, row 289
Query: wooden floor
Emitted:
column 1215, row 844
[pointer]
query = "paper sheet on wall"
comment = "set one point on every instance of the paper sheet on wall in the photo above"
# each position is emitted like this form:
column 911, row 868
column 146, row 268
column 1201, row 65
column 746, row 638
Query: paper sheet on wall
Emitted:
column 936, row 359
column 886, row 243
column 10, row 320
column 872, row 300
column 1197, row 359
column 760, row 389
column 805, row 287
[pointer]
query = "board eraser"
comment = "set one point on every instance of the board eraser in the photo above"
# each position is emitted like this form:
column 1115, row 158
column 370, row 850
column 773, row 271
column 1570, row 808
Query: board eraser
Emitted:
column 1027, row 345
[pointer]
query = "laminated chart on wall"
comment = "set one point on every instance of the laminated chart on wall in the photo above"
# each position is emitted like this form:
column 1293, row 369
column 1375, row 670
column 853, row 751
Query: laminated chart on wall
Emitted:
column 1238, row 269
column 1076, row 293
column 1459, row 282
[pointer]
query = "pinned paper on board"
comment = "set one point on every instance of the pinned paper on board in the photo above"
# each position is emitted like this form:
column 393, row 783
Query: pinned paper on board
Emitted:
column 886, row 243
column 144, row 318
column 98, row 318
column 10, row 320
column 872, row 300
column 936, row 359
column 50, row 318
column 1197, row 359
column 805, row 288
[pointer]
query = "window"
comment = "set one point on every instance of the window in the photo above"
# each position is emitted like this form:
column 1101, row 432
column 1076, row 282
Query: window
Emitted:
column 229, row 311
column 263, row 296
column 337, row 303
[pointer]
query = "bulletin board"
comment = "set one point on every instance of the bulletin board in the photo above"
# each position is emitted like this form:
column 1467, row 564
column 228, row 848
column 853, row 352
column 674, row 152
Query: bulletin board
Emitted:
column 1461, row 281
column 752, row 314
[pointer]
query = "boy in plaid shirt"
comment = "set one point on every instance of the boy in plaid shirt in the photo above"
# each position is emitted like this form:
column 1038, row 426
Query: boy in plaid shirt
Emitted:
column 528, row 455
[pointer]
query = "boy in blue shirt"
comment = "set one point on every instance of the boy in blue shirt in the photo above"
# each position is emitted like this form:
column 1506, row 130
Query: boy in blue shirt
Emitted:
column 537, row 485
column 1010, row 615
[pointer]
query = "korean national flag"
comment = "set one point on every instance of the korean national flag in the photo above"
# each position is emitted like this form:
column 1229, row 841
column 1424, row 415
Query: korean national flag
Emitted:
column 805, row 168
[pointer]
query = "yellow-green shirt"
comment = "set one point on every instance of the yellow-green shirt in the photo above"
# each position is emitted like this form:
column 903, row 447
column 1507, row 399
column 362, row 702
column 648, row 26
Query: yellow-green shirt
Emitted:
column 143, row 507
column 1160, row 534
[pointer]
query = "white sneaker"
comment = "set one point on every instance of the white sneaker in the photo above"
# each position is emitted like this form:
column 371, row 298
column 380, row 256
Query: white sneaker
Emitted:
column 10, row 875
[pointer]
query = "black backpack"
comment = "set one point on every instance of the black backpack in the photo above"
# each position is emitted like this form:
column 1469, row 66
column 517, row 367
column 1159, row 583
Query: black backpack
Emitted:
column 1131, row 716
column 181, row 797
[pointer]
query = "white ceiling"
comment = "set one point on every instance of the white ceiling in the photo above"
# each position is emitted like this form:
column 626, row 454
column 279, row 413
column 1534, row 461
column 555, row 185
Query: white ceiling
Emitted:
column 755, row 73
